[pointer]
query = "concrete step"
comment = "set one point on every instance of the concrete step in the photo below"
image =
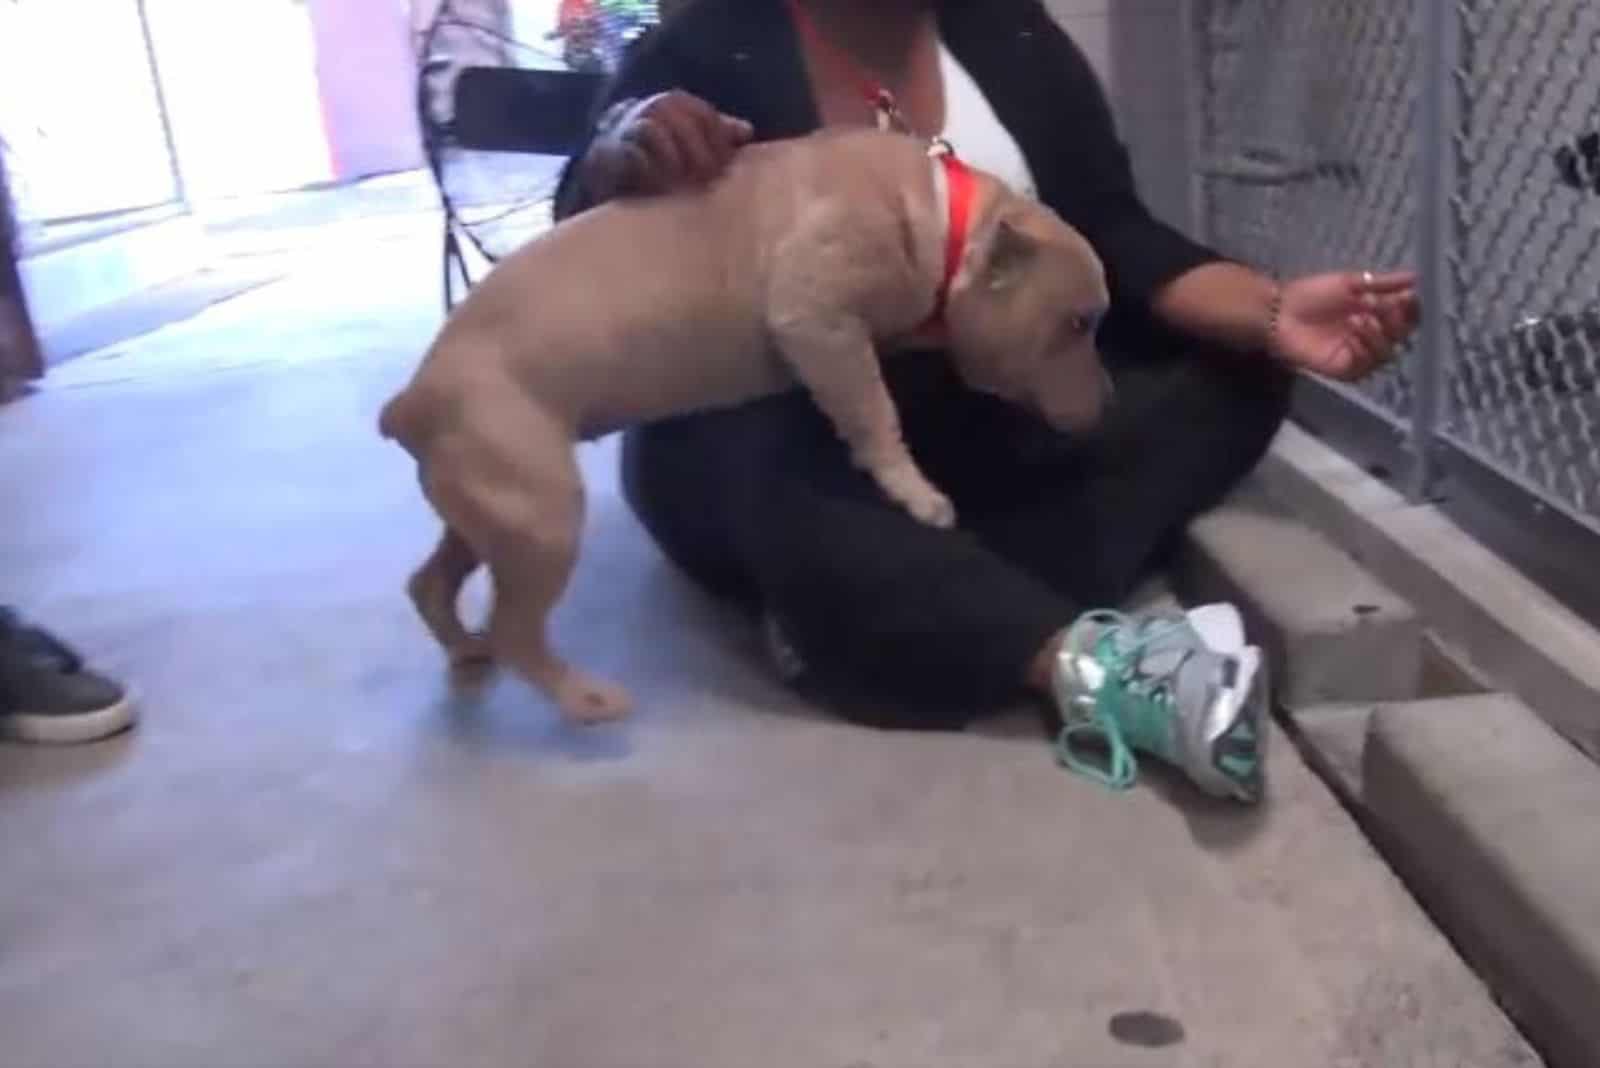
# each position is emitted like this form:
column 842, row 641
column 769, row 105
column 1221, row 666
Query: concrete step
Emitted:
column 1334, row 740
column 1515, row 633
column 1332, row 632
column 1485, row 810
column 1472, row 797
column 1334, row 735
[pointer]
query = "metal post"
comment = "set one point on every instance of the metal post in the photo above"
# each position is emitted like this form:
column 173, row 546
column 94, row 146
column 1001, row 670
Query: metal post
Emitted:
column 179, row 188
column 1197, row 96
column 1439, row 25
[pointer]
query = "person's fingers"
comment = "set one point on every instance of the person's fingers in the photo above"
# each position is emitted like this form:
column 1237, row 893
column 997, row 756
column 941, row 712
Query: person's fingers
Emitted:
column 737, row 132
column 1413, row 309
column 638, row 174
column 1400, row 313
column 1393, row 282
column 692, row 122
column 664, row 160
column 1394, row 317
column 1337, row 360
column 1370, row 345
column 725, row 135
column 726, row 138
column 717, row 124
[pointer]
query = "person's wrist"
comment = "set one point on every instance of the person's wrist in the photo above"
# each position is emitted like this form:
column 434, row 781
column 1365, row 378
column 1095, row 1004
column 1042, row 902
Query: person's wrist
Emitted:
column 1272, row 320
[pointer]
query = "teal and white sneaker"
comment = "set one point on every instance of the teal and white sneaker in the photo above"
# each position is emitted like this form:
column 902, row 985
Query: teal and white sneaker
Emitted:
column 1185, row 688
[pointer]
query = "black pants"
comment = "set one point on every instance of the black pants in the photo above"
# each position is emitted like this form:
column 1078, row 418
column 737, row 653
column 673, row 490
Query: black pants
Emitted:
column 924, row 627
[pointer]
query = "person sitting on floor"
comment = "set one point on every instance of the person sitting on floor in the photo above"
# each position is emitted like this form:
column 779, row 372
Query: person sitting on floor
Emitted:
column 900, row 624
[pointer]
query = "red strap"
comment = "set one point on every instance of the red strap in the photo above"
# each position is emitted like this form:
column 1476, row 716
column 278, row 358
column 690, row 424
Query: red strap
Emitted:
column 959, row 187
column 869, row 87
column 958, row 179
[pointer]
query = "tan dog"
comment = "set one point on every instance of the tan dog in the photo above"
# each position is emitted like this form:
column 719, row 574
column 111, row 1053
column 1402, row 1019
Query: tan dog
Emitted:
column 797, row 265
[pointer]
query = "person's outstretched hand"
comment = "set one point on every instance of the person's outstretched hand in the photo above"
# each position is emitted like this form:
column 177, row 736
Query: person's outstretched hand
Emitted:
column 1346, row 324
column 660, row 144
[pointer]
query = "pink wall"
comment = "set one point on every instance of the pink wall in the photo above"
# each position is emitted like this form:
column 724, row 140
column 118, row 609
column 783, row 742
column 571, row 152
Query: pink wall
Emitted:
column 368, row 79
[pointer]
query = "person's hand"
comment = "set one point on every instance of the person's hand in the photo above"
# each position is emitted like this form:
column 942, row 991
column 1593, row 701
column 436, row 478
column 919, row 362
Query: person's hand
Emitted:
column 1346, row 324
column 660, row 144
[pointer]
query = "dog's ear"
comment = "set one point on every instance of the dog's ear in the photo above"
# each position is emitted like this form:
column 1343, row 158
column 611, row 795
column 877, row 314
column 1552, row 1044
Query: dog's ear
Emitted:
column 1007, row 255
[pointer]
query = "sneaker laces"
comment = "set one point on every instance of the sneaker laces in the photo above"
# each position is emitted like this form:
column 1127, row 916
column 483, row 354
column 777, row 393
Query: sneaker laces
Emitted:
column 1133, row 708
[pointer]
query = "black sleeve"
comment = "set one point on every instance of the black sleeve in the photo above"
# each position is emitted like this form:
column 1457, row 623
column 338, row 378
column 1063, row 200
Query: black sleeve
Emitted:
column 1141, row 253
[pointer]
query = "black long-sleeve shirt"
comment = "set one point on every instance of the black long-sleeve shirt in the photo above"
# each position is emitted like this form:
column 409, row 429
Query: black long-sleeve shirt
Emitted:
column 743, row 56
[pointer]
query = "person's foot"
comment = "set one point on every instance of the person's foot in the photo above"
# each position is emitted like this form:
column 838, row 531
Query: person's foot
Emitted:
column 1186, row 689
column 48, row 695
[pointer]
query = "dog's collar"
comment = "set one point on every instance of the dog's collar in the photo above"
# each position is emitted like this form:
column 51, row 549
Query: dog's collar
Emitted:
column 960, row 192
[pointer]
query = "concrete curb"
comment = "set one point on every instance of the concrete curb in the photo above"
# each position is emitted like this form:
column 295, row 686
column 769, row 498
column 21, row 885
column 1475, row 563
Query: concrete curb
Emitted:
column 1485, row 811
column 1510, row 630
column 1474, row 799
column 1334, row 740
column 1332, row 632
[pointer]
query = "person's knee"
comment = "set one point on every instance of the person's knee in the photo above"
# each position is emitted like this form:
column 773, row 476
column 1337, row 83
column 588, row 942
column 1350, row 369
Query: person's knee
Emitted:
column 1234, row 405
column 910, row 626
column 875, row 677
column 1264, row 394
column 675, row 490
column 1276, row 386
column 712, row 489
column 644, row 471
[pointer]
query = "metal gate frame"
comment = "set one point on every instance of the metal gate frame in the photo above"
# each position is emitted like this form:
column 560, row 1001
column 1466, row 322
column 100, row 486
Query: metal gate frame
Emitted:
column 1501, row 433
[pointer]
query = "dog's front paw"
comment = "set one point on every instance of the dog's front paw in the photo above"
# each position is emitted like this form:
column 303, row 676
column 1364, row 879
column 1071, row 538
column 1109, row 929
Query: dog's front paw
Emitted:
column 912, row 491
column 933, row 509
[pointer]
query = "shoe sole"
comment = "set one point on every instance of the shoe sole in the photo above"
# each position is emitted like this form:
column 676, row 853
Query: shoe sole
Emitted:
column 70, row 730
column 1246, row 784
column 1221, row 628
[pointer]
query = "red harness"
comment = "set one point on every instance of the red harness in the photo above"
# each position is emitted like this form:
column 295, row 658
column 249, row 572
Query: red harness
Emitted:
column 959, row 184
column 959, row 187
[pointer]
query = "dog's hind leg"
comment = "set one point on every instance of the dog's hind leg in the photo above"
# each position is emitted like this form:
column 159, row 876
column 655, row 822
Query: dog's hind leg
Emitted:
column 435, row 590
column 518, row 501
column 528, row 581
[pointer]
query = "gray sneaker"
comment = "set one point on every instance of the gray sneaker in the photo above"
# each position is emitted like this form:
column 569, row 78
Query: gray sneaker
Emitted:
column 1184, row 688
column 48, row 695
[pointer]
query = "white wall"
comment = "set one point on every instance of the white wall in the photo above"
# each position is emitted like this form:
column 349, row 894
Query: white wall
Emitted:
column 240, row 84
column 78, row 110
column 367, row 78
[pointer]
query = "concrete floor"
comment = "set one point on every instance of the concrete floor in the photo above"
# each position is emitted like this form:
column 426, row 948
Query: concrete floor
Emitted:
column 312, row 854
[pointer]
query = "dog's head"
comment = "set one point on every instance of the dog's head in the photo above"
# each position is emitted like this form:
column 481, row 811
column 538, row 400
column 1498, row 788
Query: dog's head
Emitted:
column 1022, row 314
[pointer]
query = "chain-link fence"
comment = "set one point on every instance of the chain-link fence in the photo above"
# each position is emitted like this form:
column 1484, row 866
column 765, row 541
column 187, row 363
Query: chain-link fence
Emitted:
column 1461, row 137
column 1526, row 251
